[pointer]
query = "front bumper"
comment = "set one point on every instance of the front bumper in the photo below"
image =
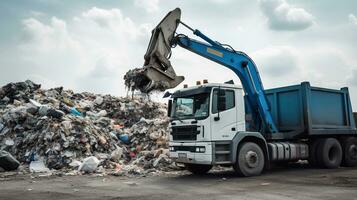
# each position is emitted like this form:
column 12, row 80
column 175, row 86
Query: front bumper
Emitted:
column 189, row 156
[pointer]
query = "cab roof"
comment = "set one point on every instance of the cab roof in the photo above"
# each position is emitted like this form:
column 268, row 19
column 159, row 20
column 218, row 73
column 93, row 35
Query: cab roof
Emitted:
column 204, row 88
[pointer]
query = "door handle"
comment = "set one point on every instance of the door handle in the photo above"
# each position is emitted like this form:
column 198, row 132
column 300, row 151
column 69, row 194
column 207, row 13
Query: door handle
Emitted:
column 233, row 128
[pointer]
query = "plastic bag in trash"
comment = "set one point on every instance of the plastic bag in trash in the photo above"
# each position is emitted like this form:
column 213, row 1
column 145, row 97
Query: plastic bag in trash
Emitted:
column 89, row 164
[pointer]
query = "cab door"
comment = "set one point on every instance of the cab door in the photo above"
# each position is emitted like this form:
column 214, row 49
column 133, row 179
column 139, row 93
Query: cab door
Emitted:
column 223, row 121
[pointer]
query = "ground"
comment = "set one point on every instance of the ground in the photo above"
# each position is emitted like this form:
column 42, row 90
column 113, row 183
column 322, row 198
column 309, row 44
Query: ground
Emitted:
column 294, row 182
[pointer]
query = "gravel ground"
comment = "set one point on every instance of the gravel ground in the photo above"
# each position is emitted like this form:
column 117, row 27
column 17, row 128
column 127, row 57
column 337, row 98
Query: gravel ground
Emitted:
column 294, row 182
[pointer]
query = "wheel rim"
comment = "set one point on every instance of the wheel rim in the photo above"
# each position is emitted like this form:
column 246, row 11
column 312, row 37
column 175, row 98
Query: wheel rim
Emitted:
column 251, row 159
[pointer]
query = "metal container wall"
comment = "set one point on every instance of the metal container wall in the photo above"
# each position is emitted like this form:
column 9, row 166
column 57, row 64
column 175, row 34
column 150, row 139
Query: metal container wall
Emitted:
column 304, row 110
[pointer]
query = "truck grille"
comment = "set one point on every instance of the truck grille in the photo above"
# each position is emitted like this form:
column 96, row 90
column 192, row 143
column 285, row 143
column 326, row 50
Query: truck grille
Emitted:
column 185, row 148
column 184, row 132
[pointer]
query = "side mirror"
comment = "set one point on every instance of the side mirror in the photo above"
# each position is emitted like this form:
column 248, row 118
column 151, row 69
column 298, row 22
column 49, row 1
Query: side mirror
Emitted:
column 167, row 94
column 169, row 108
column 221, row 101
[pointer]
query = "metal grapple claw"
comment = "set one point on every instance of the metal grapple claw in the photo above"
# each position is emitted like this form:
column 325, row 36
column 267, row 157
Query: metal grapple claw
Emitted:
column 157, row 72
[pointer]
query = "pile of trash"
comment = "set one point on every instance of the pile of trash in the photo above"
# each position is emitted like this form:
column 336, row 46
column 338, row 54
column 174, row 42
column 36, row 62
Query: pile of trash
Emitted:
column 59, row 130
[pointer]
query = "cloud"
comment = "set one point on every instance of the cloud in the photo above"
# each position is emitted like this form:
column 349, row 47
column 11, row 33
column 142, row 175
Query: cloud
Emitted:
column 276, row 61
column 327, row 66
column 353, row 19
column 37, row 13
column 114, row 20
column 45, row 37
column 220, row 1
column 352, row 84
column 283, row 16
column 149, row 5
column 352, row 79
column 91, row 52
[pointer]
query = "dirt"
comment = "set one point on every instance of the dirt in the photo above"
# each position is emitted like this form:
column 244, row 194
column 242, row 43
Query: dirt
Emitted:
column 294, row 182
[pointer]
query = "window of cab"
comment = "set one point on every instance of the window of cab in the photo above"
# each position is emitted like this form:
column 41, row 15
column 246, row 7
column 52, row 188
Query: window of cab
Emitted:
column 229, row 100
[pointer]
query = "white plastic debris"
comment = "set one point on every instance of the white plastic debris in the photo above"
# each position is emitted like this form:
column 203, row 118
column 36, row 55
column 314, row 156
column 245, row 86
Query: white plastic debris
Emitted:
column 89, row 165
column 68, row 154
column 75, row 163
column 102, row 113
column 162, row 159
column 9, row 142
column 35, row 103
column 43, row 110
column 38, row 166
column 67, row 125
column 116, row 154
column 98, row 100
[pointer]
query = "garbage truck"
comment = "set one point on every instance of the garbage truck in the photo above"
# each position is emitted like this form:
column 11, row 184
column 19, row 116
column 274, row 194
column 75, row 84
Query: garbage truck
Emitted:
column 247, row 126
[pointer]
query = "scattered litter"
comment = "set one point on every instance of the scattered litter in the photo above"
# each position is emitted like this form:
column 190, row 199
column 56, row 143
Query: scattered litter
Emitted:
column 75, row 112
column 265, row 184
column 9, row 142
column 116, row 154
column 38, row 167
column 124, row 138
column 89, row 164
column 75, row 163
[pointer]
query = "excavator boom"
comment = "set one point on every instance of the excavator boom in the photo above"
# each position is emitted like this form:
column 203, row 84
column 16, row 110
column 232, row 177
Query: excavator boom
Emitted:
column 158, row 73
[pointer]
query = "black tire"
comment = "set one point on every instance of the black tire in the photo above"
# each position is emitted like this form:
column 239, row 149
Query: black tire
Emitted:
column 198, row 168
column 250, row 160
column 313, row 161
column 329, row 152
column 349, row 147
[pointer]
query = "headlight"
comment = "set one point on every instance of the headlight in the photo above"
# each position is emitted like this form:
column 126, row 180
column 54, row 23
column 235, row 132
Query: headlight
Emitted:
column 171, row 148
column 200, row 149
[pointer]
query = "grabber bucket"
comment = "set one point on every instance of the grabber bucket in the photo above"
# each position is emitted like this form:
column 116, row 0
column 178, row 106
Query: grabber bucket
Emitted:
column 157, row 72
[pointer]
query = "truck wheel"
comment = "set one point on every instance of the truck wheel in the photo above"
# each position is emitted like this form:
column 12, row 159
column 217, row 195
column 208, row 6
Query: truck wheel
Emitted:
column 329, row 152
column 349, row 146
column 198, row 169
column 250, row 160
column 313, row 153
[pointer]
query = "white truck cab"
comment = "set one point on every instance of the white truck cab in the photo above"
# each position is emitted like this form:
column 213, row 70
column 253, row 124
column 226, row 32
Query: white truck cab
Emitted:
column 198, row 122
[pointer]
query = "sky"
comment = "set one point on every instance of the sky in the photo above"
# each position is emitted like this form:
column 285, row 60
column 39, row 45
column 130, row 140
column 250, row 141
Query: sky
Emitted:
column 88, row 45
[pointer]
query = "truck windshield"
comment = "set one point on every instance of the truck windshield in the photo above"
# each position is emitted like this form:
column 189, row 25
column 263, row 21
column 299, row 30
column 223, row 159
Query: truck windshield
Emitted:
column 195, row 106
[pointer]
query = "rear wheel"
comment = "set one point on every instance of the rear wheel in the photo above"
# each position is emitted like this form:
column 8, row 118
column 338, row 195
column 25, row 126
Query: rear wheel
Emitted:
column 349, row 146
column 198, row 169
column 250, row 160
column 329, row 152
column 313, row 153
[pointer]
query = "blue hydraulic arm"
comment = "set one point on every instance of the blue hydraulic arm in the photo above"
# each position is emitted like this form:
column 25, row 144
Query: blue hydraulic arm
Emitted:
column 239, row 63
